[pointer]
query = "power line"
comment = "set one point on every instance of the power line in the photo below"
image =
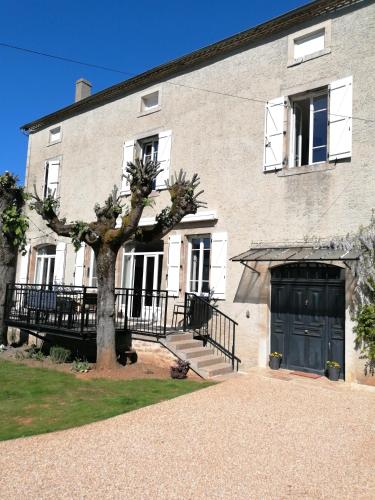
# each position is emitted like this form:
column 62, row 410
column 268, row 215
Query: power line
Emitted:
column 104, row 68
column 66, row 59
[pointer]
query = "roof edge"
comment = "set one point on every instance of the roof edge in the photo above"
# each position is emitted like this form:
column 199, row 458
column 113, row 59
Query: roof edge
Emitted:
column 210, row 52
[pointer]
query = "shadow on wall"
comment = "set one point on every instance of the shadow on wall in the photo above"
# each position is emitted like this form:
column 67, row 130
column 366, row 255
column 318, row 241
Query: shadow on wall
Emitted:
column 253, row 287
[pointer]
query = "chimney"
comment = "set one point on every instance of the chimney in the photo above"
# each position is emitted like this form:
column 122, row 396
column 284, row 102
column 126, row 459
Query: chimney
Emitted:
column 83, row 89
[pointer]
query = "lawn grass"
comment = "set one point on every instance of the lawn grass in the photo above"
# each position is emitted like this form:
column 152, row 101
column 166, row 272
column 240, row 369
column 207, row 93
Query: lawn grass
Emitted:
column 38, row 400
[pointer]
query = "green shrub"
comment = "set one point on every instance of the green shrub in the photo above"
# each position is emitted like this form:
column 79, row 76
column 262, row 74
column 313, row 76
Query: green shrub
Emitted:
column 80, row 366
column 59, row 354
column 365, row 336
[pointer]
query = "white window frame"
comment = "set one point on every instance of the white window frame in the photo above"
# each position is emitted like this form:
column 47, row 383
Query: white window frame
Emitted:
column 50, row 135
column 200, row 269
column 292, row 121
column 91, row 271
column 40, row 262
column 154, row 141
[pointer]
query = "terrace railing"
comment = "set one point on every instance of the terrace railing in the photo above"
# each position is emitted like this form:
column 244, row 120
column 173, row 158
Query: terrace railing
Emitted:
column 72, row 310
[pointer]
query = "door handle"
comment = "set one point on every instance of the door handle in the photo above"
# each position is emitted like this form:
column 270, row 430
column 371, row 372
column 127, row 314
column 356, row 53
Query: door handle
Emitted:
column 306, row 332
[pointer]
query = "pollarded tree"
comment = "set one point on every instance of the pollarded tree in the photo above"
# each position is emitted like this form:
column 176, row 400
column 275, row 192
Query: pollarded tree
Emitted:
column 106, row 239
column 13, row 225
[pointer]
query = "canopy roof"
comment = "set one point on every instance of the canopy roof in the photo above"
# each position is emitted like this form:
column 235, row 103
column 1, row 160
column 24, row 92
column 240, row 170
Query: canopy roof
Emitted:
column 295, row 254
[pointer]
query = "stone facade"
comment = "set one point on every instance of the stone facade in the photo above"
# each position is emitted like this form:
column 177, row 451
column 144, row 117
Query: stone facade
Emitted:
column 216, row 113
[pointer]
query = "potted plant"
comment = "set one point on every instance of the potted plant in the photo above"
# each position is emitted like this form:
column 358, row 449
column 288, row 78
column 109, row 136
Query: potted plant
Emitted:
column 333, row 368
column 275, row 360
column 180, row 370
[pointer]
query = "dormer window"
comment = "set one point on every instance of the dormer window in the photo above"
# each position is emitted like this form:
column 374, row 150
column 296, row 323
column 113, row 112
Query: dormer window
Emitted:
column 54, row 135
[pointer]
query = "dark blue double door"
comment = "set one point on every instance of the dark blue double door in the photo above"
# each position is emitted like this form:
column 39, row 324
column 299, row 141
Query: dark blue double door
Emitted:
column 308, row 316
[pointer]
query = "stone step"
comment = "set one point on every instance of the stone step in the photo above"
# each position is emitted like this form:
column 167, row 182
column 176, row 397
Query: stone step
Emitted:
column 215, row 370
column 204, row 361
column 176, row 337
column 195, row 352
column 181, row 345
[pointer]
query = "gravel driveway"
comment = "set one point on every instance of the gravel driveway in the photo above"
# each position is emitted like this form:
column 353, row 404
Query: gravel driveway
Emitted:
column 250, row 437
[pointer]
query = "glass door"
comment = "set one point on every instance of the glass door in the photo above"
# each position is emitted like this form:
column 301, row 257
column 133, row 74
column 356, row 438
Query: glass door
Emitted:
column 142, row 275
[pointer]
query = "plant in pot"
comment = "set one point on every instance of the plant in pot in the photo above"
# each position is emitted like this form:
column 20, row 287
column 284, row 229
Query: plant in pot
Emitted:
column 180, row 370
column 333, row 368
column 275, row 360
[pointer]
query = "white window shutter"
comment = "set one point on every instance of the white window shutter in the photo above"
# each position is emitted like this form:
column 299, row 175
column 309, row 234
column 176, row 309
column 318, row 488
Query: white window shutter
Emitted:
column 340, row 118
column 174, row 255
column 164, row 157
column 218, row 266
column 59, row 271
column 274, row 134
column 24, row 265
column 129, row 147
column 53, row 178
column 79, row 266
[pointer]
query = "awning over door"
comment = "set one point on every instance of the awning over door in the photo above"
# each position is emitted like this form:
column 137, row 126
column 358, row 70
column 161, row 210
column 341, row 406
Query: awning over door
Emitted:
column 295, row 254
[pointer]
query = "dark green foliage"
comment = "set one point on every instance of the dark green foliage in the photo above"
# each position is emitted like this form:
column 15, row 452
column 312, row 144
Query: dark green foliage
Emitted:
column 365, row 335
column 13, row 222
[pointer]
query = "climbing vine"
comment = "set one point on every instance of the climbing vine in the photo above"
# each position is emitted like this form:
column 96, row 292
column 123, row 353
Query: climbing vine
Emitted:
column 363, row 305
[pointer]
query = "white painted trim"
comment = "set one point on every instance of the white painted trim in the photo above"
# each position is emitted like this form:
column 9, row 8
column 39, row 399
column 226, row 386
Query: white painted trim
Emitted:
column 209, row 215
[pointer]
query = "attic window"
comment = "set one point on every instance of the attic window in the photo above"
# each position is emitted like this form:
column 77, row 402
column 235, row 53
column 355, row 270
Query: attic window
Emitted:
column 150, row 102
column 309, row 44
column 55, row 135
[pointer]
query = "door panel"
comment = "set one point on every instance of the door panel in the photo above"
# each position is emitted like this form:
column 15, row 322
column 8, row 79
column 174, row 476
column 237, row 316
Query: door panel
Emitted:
column 307, row 317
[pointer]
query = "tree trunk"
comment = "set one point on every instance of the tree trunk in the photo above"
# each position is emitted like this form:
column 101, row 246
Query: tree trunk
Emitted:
column 106, row 358
column 8, row 260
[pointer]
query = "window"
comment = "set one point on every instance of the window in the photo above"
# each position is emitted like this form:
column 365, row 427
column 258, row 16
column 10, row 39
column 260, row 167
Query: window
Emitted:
column 93, row 280
column 51, row 178
column 154, row 148
column 55, row 135
column 309, row 129
column 45, row 265
column 199, row 264
column 149, row 149
column 309, row 44
column 150, row 102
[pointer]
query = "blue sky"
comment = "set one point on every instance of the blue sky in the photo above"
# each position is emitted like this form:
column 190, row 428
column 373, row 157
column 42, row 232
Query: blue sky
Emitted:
column 129, row 36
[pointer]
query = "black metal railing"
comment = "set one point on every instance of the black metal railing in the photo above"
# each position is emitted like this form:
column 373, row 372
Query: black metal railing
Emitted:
column 72, row 309
column 212, row 326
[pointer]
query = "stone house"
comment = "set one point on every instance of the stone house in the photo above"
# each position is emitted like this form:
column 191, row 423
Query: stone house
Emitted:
column 278, row 123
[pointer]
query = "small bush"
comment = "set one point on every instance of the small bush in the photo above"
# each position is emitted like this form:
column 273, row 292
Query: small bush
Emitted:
column 20, row 355
column 59, row 354
column 33, row 352
column 80, row 366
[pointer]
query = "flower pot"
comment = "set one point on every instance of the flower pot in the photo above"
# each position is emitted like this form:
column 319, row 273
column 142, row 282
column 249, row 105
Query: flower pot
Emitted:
column 333, row 373
column 275, row 363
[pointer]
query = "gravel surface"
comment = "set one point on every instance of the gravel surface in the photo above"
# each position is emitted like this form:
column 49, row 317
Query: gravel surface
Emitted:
column 254, row 436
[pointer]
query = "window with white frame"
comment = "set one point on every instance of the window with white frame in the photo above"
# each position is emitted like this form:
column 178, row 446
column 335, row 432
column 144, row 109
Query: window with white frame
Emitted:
column 55, row 135
column 92, row 274
column 150, row 102
column 51, row 178
column 152, row 148
column 45, row 265
column 199, row 264
column 309, row 128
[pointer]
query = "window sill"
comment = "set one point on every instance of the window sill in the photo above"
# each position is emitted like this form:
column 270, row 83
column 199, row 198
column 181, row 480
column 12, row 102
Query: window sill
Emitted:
column 149, row 111
column 306, row 169
column 300, row 60
column 53, row 143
